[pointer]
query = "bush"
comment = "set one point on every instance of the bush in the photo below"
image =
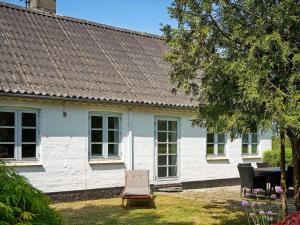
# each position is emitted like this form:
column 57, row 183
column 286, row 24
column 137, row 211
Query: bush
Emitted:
column 21, row 204
column 272, row 157
column 292, row 219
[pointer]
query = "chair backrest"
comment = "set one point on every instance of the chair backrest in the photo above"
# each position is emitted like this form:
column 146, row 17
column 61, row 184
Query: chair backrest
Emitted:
column 246, row 176
column 137, row 180
column 244, row 164
column 262, row 165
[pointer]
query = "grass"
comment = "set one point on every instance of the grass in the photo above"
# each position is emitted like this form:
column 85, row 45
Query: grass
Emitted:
column 169, row 210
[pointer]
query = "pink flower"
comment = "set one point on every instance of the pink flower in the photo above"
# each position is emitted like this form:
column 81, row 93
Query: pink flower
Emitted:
column 278, row 189
column 245, row 203
column 273, row 196
column 269, row 213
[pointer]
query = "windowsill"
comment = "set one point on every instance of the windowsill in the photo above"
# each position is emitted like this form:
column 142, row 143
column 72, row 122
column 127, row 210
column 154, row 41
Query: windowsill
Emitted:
column 216, row 158
column 22, row 163
column 251, row 157
column 106, row 161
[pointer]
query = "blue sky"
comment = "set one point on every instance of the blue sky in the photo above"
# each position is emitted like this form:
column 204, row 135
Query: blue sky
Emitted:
column 139, row 15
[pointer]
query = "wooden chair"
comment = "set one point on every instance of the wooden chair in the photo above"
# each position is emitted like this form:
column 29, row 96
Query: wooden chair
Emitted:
column 137, row 186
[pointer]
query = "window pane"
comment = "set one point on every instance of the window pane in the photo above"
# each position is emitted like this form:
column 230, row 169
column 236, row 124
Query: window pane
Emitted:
column 113, row 136
column 172, row 160
column 245, row 148
column 245, row 138
column 7, row 134
column 7, row 119
column 28, row 151
column 162, row 137
column 172, row 148
column 162, row 160
column 28, row 135
column 97, row 122
column 113, row 149
column 172, row 125
column 162, row 148
column 254, row 138
column 28, row 119
column 162, row 125
column 7, row 151
column 96, row 150
column 172, row 137
column 97, row 136
column 221, row 148
column 113, row 122
column 221, row 138
column 162, row 171
column 210, row 148
column 172, row 171
column 254, row 149
column 210, row 138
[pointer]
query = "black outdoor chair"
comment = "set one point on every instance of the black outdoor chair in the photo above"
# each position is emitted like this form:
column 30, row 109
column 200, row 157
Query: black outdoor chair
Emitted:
column 262, row 165
column 249, row 180
column 290, row 177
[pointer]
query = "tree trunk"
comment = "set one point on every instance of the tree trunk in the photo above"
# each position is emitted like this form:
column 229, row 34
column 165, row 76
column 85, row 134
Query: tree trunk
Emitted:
column 283, row 198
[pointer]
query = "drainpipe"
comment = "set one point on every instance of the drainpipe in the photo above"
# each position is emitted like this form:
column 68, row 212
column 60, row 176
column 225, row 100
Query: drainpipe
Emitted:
column 130, row 140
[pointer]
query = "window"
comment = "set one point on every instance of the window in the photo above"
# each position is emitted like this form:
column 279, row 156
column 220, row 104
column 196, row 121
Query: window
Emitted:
column 104, row 136
column 216, row 144
column 250, row 144
column 166, row 146
column 18, row 134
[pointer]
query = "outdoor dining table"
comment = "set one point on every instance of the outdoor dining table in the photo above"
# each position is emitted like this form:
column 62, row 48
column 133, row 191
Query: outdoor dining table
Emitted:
column 272, row 173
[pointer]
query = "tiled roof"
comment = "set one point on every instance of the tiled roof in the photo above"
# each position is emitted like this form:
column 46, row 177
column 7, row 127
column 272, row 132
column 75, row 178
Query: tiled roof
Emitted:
column 49, row 55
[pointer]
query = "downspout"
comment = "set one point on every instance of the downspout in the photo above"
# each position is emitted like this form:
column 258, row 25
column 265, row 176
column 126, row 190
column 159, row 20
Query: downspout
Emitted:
column 130, row 140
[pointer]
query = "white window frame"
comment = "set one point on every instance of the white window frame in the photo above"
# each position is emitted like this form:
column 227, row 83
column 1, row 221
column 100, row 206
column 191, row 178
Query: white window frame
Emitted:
column 18, row 134
column 216, row 145
column 105, row 135
column 250, row 144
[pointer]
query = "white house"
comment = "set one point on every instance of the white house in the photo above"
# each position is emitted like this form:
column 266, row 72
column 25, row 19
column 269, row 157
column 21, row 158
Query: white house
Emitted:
column 81, row 102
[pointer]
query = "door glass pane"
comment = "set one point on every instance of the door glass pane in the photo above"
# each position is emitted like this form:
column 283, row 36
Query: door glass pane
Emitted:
column 162, row 148
column 97, row 122
column 28, row 119
column 96, row 150
column 172, row 125
column 210, row 148
column 221, row 148
column 162, row 171
column 254, row 149
column 162, row 137
column 113, row 122
column 28, row 151
column 7, row 134
column 173, row 171
column 162, row 160
column 173, row 148
column 221, row 138
column 245, row 138
column 113, row 136
column 28, row 135
column 172, row 159
column 162, row 125
column 7, row 119
column 245, row 148
column 172, row 137
column 254, row 138
column 210, row 138
column 7, row 150
column 113, row 149
column 97, row 136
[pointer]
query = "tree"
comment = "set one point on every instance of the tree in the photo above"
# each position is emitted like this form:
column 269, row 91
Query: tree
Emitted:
column 240, row 61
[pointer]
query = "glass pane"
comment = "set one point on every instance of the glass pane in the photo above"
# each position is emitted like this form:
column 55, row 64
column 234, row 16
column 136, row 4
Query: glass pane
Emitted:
column 28, row 119
column 162, row 148
column 113, row 149
column 113, row 122
column 97, row 122
column 172, row 137
column 254, row 149
column 28, row 151
column 221, row 138
column 96, row 150
column 172, row 148
column 97, row 136
column 245, row 138
column 7, row 134
column 210, row 138
column 172, row 160
column 210, row 149
column 162, row 171
column 7, row 151
column 254, row 138
column 162, row 160
column 172, row 125
column 162, row 125
column 7, row 119
column 113, row 136
column 172, row 171
column 28, row 135
column 162, row 137
column 245, row 148
column 221, row 149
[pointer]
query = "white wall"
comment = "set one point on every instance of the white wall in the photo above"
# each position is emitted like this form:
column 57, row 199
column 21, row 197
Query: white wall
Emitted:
column 64, row 148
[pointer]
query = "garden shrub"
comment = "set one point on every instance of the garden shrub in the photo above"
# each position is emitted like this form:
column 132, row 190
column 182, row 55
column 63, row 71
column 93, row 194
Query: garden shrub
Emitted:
column 272, row 157
column 21, row 203
column 292, row 219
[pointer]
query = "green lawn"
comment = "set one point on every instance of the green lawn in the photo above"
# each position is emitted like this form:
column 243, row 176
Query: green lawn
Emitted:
column 169, row 210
